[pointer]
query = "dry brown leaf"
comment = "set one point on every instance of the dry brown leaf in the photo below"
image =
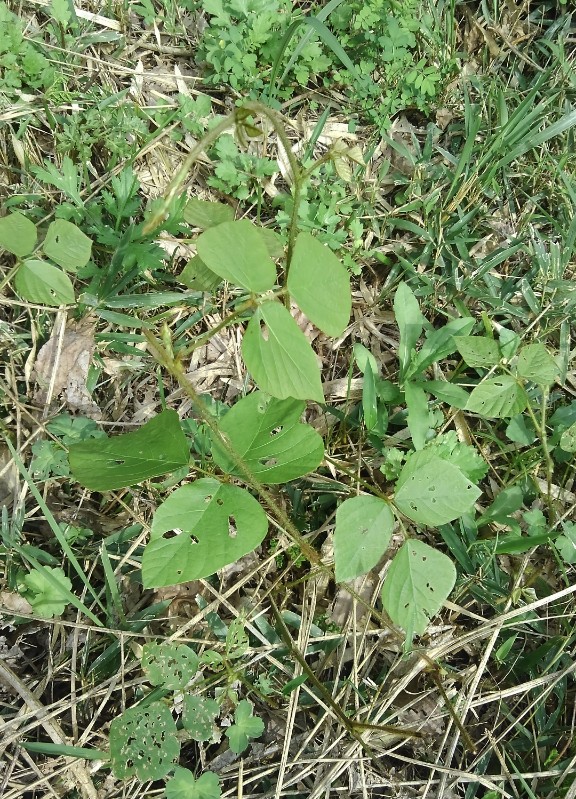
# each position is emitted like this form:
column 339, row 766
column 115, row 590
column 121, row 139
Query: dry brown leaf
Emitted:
column 62, row 366
column 14, row 603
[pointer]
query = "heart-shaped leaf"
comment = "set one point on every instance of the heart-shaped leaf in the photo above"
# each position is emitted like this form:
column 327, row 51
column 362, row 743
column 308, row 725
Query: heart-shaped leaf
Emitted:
column 156, row 448
column 270, row 439
column 432, row 491
column 279, row 356
column 418, row 581
column 363, row 529
column 237, row 252
column 320, row 285
column 200, row 528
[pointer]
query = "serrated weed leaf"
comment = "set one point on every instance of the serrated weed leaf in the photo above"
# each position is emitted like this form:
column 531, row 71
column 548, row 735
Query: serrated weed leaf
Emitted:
column 268, row 435
column 200, row 528
column 168, row 664
column 320, row 285
column 364, row 526
column 144, row 743
column 279, row 355
column 47, row 591
column 237, row 252
column 245, row 727
column 432, row 491
column 156, row 448
column 418, row 581
column 184, row 785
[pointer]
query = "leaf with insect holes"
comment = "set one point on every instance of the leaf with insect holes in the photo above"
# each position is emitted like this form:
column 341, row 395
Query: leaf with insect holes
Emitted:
column 432, row 491
column 279, row 355
column 245, row 726
column 237, row 252
column 200, row 528
column 363, row 529
column 320, row 284
column 156, row 448
column 568, row 439
column 198, row 716
column 497, row 398
column 67, row 246
column 144, row 743
column 269, row 437
column 170, row 665
column 537, row 365
column 184, row 785
column 417, row 583
column 43, row 283
column 478, row 351
column 17, row 234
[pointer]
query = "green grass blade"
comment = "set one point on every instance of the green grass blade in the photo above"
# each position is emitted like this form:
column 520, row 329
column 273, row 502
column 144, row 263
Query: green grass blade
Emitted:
column 55, row 527
column 61, row 750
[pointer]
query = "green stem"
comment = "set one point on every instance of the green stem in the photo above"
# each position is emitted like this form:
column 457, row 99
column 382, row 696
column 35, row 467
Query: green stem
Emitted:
column 540, row 426
column 175, row 368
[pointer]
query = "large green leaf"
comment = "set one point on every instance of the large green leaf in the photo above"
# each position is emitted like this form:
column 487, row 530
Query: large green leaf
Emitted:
column 537, row 365
column 43, row 283
column 320, row 284
column 418, row 581
column 363, row 529
column 279, row 355
column 432, row 491
column 200, row 528
column 270, row 439
column 497, row 398
column 17, row 234
column 156, row 448
column 237, row 252
column 144, row 743
column 66, row 245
